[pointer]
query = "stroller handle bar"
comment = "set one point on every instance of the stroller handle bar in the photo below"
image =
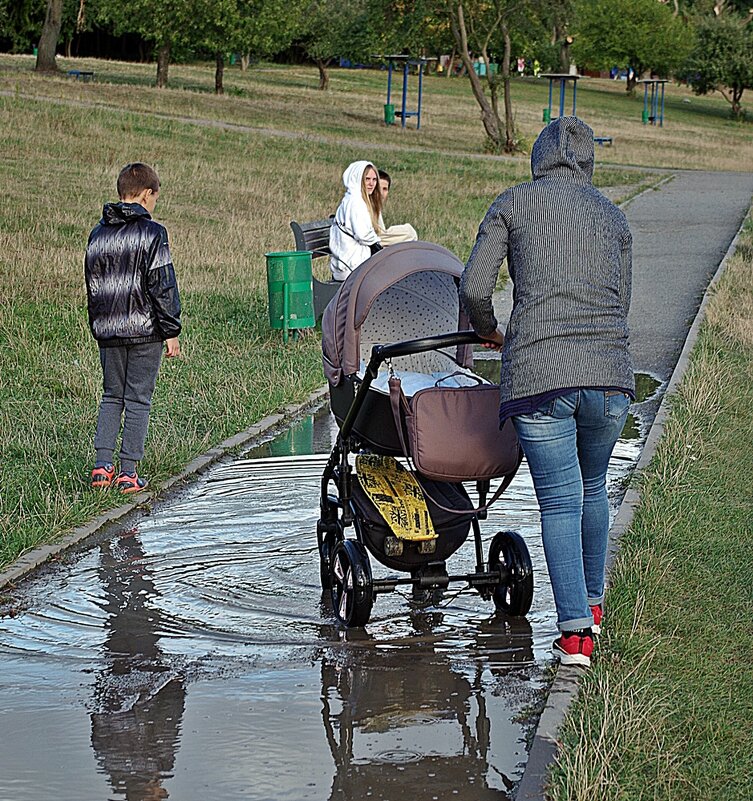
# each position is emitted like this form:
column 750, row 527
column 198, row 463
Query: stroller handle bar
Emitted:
column 380, row 353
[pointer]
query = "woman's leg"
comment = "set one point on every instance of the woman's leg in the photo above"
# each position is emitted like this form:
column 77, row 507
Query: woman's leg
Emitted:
column 549, row 440
column 600, row 419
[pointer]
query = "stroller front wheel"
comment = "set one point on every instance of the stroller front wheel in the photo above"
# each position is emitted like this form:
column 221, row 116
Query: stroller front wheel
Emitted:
column 351, row 583
column 508, row 553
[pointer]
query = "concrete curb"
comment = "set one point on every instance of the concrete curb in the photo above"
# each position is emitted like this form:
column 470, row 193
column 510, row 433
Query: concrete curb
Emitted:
column 33, row 559
column 564, row 689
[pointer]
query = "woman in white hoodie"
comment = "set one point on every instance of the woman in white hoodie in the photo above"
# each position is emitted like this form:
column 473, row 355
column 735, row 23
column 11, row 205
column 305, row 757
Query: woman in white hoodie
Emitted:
column 353, row 236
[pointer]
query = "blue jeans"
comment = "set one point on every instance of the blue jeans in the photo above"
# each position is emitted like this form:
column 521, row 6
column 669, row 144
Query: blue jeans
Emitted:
column 568, row 443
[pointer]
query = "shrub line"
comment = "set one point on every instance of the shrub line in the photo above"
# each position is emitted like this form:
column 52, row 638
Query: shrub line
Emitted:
column 35, row 558
column 564, row 688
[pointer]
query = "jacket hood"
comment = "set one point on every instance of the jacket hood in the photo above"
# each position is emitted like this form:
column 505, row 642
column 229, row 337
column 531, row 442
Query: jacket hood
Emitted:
column 565, row 148
column 353, row 176
column 120, row 213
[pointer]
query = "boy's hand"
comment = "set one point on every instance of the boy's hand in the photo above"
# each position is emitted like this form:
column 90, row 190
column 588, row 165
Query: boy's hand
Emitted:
column 172, row 347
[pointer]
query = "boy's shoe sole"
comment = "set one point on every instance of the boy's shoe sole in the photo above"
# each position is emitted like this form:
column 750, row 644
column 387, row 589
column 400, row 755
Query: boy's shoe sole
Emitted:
column 574, row 649
column 102, row 477
column 129, row 484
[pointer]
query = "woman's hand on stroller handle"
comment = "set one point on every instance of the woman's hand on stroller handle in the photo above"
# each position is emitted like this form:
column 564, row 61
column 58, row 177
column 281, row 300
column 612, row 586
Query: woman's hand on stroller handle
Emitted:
column 493, row 341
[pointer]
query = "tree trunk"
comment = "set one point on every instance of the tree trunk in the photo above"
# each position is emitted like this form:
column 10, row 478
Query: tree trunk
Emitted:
column 450, row 65
column 737, row 96
column 561, row 39
column 219, row 72
column 163, row 63
column 491, row 122
column 323, row 75
column 48, row 41
column 245, row 61
column 510, row 144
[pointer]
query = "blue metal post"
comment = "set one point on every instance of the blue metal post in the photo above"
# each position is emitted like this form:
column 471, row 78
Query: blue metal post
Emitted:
column 645, row 103
column 389, row 79
column 575, row 89
column 562, row 97
column 551, row 81
column 654, row 101
column 405, row 90
column 661, row 119
column 420, row 88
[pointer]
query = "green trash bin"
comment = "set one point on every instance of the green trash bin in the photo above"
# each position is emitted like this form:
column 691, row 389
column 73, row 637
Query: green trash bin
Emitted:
column 389, row 113
column 291, row 291
column 546, row 116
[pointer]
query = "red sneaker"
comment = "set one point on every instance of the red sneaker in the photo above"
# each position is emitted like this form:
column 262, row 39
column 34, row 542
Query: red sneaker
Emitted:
column 574, row 647
column 102, row 477
column 598, row 612
column 128, row 483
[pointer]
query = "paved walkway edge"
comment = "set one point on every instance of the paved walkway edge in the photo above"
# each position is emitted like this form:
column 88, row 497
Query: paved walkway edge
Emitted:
column 564, row 689
column 35, row 558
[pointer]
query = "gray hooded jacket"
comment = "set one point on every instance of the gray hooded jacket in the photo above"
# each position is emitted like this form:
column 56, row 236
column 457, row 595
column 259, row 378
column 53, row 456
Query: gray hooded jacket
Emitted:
column 569, row 254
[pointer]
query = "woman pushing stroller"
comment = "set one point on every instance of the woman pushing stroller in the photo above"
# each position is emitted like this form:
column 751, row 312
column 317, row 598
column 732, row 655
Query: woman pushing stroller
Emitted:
column 567, row 377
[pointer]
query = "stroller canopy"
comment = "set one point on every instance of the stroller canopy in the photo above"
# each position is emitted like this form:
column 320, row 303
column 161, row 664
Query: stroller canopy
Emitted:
column 403, row 292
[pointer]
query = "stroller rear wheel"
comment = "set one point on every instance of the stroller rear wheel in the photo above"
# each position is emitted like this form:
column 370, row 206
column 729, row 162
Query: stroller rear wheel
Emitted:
column 508, row 553
column 351, row 583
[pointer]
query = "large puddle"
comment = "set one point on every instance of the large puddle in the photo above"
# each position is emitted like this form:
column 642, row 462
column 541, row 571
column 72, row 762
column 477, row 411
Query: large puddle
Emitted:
column 193, row 657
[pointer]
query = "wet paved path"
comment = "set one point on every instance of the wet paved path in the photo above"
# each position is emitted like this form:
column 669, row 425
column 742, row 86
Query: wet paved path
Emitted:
column 189, row 657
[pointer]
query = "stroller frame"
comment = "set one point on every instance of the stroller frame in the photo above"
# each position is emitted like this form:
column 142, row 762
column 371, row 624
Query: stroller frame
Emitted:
column 506, row 576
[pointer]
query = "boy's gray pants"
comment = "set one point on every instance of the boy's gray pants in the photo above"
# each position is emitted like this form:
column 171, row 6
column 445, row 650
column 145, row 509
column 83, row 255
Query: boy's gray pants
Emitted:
column 129, row 375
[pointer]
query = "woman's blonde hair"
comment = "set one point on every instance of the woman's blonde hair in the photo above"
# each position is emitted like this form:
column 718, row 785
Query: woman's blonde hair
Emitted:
column 373, row 200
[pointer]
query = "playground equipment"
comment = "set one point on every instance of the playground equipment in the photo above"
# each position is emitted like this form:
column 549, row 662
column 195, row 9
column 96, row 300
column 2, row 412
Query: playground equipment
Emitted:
column 563, row 79
column 653, row 108
column 389, row 107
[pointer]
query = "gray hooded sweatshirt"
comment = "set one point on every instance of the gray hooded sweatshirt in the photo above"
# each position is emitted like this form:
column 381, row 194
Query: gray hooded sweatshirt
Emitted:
column 569, row 254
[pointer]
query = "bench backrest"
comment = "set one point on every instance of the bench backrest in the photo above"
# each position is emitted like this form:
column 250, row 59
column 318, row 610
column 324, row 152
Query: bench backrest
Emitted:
column 313, row 236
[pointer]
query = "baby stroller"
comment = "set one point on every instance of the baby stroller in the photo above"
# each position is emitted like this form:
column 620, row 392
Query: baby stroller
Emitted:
column 395, row 334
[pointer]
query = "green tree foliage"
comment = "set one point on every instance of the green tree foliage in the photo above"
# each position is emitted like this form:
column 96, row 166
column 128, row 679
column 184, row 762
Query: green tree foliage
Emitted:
column 164, row 23
column 268, row 26
column 642, row 34
column 21, row 23
column 722, row 59
column 336, row 28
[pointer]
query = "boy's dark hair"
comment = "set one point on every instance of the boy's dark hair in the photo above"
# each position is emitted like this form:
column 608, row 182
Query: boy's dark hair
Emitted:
column 385, row 176
column 135, row 178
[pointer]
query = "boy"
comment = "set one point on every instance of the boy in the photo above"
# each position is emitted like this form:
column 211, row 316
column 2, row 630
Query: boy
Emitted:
column 395, row 233
column 133, row 308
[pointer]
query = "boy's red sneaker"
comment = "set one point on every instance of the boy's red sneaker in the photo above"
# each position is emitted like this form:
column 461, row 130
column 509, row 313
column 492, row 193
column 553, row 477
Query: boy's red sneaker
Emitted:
column 574, row 647
column 102, row 477
column 129, row 483
column 598, row 614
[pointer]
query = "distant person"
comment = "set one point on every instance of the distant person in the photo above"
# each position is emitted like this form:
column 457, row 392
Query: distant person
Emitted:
column 134, row 308
column 567, row 379
column 354, row 236
column 395, row 234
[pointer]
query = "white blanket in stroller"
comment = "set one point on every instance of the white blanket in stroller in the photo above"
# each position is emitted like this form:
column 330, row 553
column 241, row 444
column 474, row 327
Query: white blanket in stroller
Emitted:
column 413, row 382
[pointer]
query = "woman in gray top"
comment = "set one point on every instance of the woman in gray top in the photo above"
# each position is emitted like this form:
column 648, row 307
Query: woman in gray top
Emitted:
column 567, row 378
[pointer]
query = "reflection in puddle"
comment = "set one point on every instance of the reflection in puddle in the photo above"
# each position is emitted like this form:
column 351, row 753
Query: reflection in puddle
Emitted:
column 192, row 657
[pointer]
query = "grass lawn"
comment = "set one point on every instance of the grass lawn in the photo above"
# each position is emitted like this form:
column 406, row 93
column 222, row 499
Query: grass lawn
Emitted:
column 235, row 170
column 666, row 711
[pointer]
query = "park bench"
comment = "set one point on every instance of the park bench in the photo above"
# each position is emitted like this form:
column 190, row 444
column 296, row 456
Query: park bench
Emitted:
column 314, row 236
column 603, row 140
column 81, row 75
